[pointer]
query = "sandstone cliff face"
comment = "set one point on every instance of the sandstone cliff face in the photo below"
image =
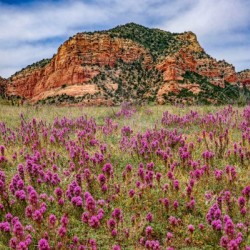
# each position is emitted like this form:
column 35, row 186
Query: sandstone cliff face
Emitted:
column 75, row 63
column 186, row 59
column 191, row 57
column 190, row 42
column 244, row 78
column 173, row 67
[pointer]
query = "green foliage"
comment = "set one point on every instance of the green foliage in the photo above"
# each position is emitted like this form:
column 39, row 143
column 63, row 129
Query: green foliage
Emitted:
column 244, row 71
column 2, row 90
column 66, row 99
column 232, row 94
column 157, row 41
column 186, row 93
column 40, row 64
column 244, row 96
column 134, row 82
column 57, row 99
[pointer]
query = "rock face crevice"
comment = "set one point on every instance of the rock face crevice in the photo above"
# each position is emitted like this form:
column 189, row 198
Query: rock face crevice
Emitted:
column 86, row 57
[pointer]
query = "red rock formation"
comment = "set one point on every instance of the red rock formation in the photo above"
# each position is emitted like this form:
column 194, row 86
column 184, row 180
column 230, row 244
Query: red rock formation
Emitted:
column 191, row 57
column 173, row 67
column 84, row 56
column 75, row 63
column 176, row 87
column 244, row 78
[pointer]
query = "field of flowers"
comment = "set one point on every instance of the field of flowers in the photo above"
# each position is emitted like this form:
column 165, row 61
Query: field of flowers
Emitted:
column 125, row 178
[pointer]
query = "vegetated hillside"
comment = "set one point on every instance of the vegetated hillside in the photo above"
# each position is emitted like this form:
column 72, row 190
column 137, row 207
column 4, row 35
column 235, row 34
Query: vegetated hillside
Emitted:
column 129, row 63
column 157, row 41
column 3, row 83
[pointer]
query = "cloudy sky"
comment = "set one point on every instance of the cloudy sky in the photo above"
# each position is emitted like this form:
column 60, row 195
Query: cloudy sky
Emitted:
column 33, row 30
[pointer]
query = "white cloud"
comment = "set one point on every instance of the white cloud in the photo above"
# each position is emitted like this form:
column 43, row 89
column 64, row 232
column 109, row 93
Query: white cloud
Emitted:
column 211, row 16
column 24, row 30
column 222, row 28
column 46, row 20
column 221, row 25
column 13, row 60
column 236, row 55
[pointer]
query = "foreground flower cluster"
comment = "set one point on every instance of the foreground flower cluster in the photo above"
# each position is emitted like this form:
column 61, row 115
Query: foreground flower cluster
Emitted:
column 79, row 184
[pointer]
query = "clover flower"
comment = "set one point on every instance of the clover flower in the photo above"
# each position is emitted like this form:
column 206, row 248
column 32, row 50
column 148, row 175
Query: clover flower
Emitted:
column 191, row 228
column 43, row 244
column 149, row 217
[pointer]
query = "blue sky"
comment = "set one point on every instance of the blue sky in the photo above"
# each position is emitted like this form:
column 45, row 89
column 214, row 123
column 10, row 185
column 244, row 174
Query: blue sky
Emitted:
column 33, row 30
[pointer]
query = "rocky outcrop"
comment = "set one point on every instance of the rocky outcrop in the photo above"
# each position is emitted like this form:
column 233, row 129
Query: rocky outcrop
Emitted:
column 244, row 78
column 173, row 67
column 191, row 57
column 190, row 42
column 76, row 62
column 218, row 72
column 174, row 87
column 122, row 64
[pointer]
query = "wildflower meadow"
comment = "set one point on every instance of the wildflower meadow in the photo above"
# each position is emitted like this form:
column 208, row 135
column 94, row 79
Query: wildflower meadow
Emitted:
column 153, row 177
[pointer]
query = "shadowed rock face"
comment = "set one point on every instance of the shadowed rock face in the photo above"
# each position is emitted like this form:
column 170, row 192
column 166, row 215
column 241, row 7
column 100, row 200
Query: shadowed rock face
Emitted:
column 125, row 63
